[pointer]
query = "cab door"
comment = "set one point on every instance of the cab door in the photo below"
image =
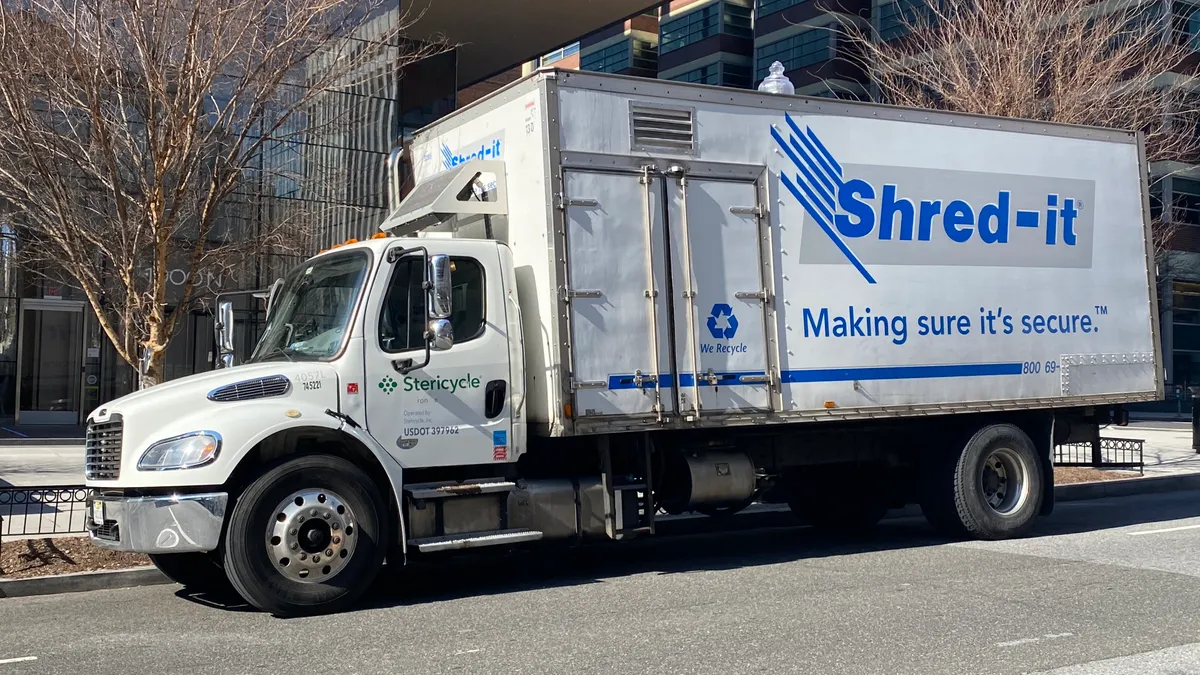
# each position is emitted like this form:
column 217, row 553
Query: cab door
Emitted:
column 454, row 409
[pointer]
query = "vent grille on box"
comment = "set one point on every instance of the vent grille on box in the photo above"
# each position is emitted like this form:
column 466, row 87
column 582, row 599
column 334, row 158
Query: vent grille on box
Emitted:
column 263, row 387
column 662, row 128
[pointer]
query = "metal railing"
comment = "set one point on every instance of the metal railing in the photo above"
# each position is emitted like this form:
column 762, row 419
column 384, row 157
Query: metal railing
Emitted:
column 48, row 510
column 1105, row 453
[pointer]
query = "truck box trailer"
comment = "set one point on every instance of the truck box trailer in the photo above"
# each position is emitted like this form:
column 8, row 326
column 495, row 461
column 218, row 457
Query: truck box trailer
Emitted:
column 605, row 298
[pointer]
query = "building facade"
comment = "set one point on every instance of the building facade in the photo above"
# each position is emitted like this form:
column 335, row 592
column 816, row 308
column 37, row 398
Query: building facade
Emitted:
column 55, row 362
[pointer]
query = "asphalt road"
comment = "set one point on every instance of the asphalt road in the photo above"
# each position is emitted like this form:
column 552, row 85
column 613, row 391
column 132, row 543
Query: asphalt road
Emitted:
column 1110, row 587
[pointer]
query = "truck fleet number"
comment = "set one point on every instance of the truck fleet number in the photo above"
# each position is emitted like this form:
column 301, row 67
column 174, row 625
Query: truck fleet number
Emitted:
column 1035, row 367
column 430, row 431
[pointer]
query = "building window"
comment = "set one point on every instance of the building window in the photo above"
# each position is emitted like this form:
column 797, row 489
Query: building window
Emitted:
column 736, row 21
column 710, row 74
column 690, row 28
column 559, row 54
column 720, row 73
column 734, row 75
column 717, row 18
column 896, row 19
column 611, row 59
column 802, row 49
column 1185, row 21
column 645, row 55
column 766, row 7
column 1185, row 201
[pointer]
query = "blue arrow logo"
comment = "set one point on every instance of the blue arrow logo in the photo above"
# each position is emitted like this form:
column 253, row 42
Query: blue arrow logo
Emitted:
column 714, row 322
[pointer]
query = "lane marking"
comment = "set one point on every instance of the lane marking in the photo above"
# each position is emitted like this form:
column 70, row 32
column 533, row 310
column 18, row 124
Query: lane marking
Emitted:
column 21, row 659
column 1033, row 640
column 469, row 651
column 1169, row 529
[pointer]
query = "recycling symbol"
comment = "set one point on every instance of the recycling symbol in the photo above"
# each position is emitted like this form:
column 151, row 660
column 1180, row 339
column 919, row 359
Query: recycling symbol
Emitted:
column 714, row 320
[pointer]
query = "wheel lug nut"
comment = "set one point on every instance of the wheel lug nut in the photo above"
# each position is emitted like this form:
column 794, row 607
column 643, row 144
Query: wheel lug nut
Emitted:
column 299, row 519
column 337, row 525
column 295, row 546
column 313, row 513
column 325, row 516
column 304, row 556
column 329, row 552
column 316, row 559
column 337, row 540
column 292, row 531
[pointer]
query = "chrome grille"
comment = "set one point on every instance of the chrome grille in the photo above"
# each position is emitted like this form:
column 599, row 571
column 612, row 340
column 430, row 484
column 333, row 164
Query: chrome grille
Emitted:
column 263, row 387
column 102, row 449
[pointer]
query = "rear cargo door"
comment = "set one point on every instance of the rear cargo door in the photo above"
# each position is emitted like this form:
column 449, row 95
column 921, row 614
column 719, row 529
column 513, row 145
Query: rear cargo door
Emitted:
column 719, row 304
column 617, row 298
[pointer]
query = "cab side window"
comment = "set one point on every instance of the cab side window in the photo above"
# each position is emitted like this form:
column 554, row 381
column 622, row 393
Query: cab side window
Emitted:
column 402, row 321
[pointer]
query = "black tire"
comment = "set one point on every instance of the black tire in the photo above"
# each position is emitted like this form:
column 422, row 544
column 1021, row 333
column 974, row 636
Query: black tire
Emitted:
column 194, row 571
column 248, row 560
column 958, row 491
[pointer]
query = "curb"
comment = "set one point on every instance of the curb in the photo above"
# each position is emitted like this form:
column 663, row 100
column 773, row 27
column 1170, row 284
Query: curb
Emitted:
column 1126, row 487
column 82, row 581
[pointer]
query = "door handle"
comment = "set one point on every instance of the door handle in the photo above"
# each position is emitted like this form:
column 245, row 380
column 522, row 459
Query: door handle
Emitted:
column 493, row 397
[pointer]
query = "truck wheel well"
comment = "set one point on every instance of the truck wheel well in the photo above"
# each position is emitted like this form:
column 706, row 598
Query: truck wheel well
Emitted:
column 311, row 441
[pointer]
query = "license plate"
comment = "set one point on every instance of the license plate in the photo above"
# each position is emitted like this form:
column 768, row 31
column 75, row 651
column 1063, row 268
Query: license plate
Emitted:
column 98, row 512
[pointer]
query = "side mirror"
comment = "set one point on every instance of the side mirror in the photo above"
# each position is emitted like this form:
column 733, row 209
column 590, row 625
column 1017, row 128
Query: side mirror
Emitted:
column 439, row 288
column 441, row 335
column 225, row 332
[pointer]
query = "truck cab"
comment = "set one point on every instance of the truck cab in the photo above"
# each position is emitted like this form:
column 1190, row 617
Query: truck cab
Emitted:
column 402, row 354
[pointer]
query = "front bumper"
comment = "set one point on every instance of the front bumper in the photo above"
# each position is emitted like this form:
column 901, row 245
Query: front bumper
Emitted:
column 175, row 524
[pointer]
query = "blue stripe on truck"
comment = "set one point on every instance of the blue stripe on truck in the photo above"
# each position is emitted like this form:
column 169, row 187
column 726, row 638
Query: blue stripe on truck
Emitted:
column 667, row 381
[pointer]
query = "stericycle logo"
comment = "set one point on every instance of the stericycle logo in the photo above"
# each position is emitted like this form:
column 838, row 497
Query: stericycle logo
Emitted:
column 441, row 383
column 912, row 216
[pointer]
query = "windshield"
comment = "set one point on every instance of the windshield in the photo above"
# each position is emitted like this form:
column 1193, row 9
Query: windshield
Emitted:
column 311, row 312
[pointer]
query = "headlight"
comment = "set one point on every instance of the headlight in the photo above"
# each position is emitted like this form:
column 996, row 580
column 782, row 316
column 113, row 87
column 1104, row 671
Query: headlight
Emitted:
column 182, row 452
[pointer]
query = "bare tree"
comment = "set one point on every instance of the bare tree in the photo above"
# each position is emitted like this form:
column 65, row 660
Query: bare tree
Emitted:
column 1121, row 65
column 139, row 137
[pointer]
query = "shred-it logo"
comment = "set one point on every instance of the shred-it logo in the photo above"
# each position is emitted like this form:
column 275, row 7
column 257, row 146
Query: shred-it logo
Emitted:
column 487, row 150
column 898, row 215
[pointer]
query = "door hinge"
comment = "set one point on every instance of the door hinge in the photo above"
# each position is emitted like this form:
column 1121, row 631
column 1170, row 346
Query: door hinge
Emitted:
column 595, row 384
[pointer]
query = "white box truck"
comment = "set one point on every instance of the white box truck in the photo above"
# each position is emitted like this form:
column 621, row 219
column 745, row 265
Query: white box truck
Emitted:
column 606, row 299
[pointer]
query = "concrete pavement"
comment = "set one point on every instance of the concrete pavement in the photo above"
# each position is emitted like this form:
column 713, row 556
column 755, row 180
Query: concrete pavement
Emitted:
column 1103, row 587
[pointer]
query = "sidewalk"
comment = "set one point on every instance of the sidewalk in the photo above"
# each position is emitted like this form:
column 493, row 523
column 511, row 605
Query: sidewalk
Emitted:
column 1168, row 446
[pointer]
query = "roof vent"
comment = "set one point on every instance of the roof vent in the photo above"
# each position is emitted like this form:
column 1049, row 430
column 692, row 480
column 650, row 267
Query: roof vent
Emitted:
column 662, row 128
column 246, row 390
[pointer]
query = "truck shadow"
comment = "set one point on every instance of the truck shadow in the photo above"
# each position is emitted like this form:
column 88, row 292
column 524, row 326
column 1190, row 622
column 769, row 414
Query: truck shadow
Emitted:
column 703, row 545
column 764, row 539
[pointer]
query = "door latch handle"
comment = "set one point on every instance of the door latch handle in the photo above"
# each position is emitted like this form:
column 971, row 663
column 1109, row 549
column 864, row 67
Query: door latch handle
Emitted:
column 493, row 398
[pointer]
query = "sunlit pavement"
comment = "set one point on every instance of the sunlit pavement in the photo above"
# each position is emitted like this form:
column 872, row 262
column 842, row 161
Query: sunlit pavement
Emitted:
column 1105, row 586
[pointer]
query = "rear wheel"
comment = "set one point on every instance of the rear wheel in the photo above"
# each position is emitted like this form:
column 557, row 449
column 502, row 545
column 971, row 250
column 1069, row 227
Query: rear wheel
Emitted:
column 306, row 537
column 194, row 571
column 991, row 489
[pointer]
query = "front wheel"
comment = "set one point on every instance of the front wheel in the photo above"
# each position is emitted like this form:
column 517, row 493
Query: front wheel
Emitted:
column 306, row 537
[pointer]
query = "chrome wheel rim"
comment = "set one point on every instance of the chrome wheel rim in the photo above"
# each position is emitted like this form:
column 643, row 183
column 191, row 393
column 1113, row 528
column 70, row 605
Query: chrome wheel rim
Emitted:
column 1004, row 481
column 311, row 535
